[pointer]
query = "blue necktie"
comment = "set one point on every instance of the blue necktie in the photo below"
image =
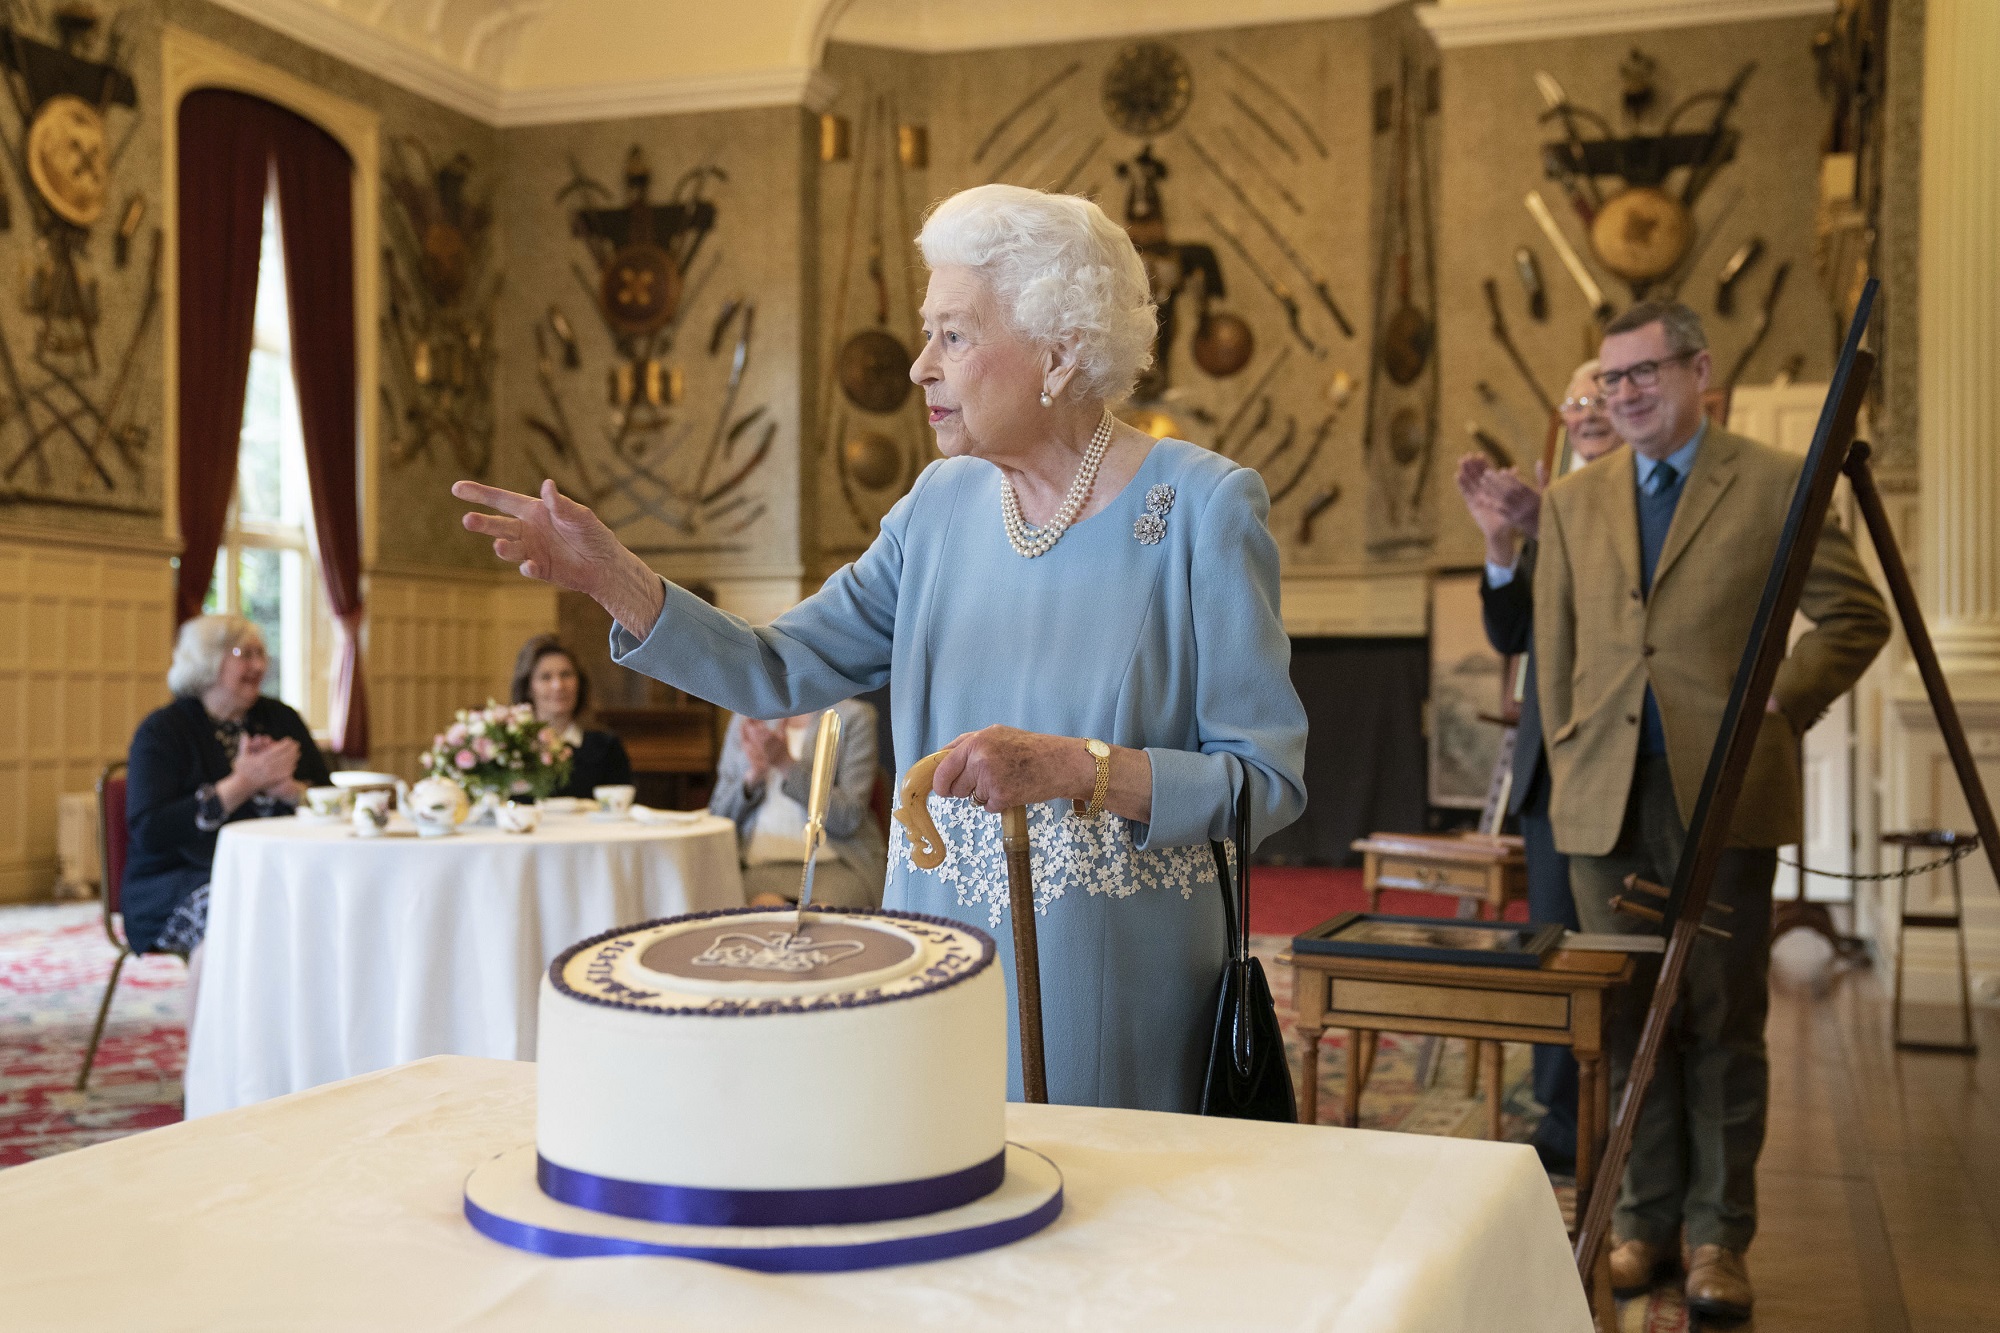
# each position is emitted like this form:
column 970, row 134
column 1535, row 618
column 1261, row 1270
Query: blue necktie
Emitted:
column 1657, row 500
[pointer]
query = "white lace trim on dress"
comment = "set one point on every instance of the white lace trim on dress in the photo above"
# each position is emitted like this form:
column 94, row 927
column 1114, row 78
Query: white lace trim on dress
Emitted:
column 1066, row 853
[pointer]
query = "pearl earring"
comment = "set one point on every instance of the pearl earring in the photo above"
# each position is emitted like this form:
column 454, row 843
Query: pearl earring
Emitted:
column 1046, row 400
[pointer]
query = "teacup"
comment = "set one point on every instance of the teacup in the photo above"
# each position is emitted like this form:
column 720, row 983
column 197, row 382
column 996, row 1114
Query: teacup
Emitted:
column 328, row 802
column 615, row 801
column 371, row 812
column 517, row 817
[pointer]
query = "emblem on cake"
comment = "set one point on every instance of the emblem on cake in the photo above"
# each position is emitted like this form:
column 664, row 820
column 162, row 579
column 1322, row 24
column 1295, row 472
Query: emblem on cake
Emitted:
column 780, row 951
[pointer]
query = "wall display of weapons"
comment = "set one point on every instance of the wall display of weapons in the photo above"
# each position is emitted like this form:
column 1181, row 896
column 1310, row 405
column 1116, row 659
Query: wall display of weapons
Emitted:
column 657, row 435
column 79, row 408
column 1280, row 182
column 1400, row 444
column 439, row 288
column 874, row 438
column 1230, row 160
column 1583, row 175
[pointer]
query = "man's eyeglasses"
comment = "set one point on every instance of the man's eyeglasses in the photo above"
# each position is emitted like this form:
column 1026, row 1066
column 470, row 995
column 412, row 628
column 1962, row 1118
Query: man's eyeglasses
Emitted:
column 1642, row 374
column 253, row 651
column 1570, row 405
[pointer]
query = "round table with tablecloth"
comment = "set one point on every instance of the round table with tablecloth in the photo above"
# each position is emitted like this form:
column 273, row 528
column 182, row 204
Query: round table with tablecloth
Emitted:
column 330, row 955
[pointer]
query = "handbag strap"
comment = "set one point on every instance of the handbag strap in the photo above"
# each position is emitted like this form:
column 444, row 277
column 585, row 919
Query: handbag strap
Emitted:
column 1236, row 888
column 1243, row 868
column 1222, row 879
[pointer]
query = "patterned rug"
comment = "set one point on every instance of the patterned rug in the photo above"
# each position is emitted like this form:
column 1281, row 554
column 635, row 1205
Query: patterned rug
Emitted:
column 53, row 965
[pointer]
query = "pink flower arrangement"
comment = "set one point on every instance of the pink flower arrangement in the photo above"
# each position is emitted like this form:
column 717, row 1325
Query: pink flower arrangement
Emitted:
column 501, row 749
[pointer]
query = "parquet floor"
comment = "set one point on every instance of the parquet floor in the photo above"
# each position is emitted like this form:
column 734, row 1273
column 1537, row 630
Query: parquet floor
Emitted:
column 1879, row 1185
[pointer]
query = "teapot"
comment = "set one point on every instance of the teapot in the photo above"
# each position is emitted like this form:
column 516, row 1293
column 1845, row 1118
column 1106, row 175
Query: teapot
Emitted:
column 438, row 806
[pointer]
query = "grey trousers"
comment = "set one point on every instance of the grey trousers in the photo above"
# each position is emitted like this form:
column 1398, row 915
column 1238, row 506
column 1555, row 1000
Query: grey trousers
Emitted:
column 1694, row 1155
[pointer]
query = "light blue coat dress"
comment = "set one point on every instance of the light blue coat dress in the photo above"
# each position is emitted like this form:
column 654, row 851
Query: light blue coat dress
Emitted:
column 1173, row 646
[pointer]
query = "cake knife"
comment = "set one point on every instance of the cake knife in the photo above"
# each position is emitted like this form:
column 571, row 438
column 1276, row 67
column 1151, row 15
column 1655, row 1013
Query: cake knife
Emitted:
column 826, row 754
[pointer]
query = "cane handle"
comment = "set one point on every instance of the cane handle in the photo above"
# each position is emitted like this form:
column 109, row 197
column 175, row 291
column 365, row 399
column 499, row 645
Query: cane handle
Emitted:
column 913, row 812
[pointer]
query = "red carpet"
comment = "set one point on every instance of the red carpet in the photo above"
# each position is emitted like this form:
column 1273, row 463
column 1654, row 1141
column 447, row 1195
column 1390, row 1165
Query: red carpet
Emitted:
column 53, row 964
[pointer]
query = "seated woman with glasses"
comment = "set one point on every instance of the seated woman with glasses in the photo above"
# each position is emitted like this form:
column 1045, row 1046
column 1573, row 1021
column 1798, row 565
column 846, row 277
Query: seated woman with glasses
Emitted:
column 220, row 752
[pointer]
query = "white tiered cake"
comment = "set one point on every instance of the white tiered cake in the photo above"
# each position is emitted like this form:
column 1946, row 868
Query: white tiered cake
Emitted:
column 717, row 1086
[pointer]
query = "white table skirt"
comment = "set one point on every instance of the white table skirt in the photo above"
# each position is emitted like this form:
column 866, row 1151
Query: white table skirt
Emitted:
column 329, row 955
column 341, row 1208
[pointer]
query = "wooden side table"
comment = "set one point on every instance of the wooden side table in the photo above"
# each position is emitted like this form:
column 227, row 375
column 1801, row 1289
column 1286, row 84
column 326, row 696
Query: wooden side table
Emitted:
column 1480, row 870
column 1561, row 1003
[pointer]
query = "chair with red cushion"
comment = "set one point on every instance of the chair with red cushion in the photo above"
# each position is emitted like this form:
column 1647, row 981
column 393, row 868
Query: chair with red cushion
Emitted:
column 112, row 838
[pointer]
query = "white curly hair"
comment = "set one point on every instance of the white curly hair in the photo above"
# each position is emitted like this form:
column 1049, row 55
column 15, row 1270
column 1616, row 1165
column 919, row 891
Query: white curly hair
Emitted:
column 1061, row 270
column 200, row 647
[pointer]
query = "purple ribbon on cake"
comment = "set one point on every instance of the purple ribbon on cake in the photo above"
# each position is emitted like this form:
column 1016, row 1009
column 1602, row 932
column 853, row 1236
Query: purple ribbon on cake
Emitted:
column 692, row 1206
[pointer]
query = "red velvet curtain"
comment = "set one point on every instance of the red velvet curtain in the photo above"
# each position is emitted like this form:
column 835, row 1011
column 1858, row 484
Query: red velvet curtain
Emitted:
column 241, row 140
column 316, row 219
column 225, row 163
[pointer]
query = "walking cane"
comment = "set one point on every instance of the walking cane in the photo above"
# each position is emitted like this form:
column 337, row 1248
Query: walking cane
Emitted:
column 927, row 850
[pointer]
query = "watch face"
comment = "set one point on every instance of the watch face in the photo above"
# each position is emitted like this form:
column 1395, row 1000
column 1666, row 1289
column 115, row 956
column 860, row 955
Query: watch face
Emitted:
column 1098, row 749
column 1147, row 89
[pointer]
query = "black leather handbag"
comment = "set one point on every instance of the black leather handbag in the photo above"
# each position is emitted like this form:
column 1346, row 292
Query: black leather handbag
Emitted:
column 1248, row 1076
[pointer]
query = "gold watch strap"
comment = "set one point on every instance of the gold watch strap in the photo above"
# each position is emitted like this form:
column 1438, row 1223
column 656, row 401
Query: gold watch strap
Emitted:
column 1100, row 754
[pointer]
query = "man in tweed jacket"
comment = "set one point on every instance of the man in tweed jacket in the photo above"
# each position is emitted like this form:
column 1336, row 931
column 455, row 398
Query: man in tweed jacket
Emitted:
column 1652, row 563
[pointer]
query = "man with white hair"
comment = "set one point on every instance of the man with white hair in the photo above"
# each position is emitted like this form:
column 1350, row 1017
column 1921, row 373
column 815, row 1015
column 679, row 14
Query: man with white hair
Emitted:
column 1507, row 509
column 1652, row 565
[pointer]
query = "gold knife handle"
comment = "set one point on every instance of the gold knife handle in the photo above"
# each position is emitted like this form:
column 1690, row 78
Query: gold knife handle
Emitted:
column 826, row 759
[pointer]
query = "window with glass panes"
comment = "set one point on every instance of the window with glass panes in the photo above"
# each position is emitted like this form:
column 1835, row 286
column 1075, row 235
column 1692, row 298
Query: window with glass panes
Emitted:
column 265, row 570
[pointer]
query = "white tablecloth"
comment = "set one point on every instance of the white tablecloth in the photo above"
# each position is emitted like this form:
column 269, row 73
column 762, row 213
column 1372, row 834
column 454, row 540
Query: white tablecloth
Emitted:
column 330, row 955
column 341, row 1208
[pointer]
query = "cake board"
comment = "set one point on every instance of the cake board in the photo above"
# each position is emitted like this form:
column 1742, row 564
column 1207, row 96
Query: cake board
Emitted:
column 504, row 1201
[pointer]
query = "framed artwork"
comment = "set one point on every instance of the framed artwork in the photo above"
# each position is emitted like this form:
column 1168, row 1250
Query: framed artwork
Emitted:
column 1465, row 690
column 1430, row 939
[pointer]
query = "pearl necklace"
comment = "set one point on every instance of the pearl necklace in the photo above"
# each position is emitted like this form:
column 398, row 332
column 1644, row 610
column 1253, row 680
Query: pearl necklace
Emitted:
column 1029, row 542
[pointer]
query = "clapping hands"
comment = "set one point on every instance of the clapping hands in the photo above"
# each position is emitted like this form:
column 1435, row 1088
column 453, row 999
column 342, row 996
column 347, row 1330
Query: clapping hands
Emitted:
column 1501, row 503
column 263, row 766
column 267, row 764
column 765, row 747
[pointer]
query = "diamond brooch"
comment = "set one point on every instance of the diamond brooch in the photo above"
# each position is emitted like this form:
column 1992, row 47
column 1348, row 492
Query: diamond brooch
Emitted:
column 1152, row 525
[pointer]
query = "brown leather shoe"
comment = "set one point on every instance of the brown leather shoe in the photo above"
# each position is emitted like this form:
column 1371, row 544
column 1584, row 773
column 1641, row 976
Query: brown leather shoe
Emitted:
column 1718, row 1285
column 1634, row 1266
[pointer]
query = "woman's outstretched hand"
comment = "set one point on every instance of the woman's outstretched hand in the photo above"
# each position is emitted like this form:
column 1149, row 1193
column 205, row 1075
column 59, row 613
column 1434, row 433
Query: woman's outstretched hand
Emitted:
column 553, row 538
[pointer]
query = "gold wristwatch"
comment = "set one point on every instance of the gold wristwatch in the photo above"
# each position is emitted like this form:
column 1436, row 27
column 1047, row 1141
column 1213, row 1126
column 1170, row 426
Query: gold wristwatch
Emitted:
column 1101, row 754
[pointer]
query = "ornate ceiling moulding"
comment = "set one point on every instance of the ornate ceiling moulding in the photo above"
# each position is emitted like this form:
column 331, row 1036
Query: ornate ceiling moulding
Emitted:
column 456, row 53
column 1490, row 24
column 623, row 101
column 938, row 27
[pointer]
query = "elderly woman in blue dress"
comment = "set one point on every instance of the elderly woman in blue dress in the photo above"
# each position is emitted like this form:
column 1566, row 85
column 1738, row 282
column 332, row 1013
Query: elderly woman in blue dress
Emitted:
column 1088, row 618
